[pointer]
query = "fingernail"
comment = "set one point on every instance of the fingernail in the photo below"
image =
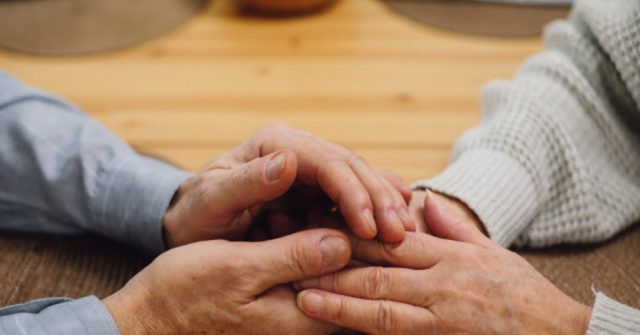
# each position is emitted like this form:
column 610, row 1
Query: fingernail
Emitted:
column 335, row 253
column 368, row 218
column 428, row 195
column 431, row 204
column 430, row 199
column 275, row 167
column 310, row 302
column 305, row 284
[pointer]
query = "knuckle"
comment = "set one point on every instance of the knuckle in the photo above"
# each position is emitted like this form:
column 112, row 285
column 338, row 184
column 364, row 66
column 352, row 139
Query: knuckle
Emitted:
column 398, row 252
column 334, row 283
column 269, row 131
column 386, row 203
column 355, row 160
column 300, row 261
column 277, row 126
column 408, row 247
column 376, row 283
column 361, row 199
column 385, row 318
column 236, row 180
column 340, row 310
column 398, row 199
column 395, row 252
column 246, row 175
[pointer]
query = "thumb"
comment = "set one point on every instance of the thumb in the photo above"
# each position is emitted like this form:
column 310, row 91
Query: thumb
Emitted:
column 452, row 220
column 257, row 181
column 306, row 254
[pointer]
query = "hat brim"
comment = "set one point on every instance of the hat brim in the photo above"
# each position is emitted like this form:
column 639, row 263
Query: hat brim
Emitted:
column 481, row 18
column 71, row 27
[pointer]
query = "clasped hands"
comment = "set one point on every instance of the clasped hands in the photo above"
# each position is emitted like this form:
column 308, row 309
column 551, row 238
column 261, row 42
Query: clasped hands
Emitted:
column 270, row 190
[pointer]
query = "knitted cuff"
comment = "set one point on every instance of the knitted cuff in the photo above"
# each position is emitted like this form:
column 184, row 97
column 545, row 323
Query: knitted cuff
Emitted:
column 496, row 187
column 611, row 317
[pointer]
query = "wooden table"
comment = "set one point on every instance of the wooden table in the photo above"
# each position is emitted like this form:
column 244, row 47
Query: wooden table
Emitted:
column 396, row 92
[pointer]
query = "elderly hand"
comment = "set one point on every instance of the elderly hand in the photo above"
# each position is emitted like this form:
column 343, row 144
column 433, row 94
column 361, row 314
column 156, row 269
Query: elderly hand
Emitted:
column 224, row 198
column 465, row 285
column 216, row 287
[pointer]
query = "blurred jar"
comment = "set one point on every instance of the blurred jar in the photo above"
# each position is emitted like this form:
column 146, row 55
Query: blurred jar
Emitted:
column 283, row 7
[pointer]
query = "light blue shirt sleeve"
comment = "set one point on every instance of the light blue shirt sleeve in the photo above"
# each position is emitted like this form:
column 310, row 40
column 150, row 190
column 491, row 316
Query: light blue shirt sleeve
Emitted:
column 63, row 172
column 58, row 316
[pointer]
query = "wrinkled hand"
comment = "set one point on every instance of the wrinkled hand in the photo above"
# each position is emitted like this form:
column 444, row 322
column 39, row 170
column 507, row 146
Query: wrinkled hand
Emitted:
column 223, row 200
column 216, row 287
column 464, row 285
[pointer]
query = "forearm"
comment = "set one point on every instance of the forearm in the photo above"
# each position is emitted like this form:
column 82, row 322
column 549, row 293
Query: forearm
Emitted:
column 58, row 316
column 61, row 171
column 555, row 158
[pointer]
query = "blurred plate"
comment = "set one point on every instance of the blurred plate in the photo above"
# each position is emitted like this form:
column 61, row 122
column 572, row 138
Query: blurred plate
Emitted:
column 69, row 27
column 495, row 18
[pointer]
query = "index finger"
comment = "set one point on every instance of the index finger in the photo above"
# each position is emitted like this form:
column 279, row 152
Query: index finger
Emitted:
column 369, row 316
column 368, row 204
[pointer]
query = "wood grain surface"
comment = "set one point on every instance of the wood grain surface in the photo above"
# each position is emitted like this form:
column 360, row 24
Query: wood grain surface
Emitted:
column 396, row 92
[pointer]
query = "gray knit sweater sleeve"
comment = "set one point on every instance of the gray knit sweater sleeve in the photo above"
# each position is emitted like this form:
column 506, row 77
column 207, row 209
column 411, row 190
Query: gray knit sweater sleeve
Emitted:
column 556, row 156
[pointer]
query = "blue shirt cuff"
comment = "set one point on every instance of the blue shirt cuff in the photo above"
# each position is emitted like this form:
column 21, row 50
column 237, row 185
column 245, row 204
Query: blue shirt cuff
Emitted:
column 58, row 316
column 134, row 197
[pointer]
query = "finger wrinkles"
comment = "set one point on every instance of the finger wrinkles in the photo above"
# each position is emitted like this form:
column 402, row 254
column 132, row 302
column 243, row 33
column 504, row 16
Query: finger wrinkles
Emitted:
column 376, row 283
column 385, row 318
column 265, row 141
column 340, row 310
column 410, row 252
column 298, row 256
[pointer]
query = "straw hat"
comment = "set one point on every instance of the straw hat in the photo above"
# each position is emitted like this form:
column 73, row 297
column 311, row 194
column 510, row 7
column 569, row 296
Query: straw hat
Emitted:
column 68, row 27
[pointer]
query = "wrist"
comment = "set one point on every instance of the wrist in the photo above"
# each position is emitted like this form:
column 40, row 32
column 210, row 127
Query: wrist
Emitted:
column 171, row 218
column 579, row 321
column 124, row 314
column 561, row 315
column 134, row 311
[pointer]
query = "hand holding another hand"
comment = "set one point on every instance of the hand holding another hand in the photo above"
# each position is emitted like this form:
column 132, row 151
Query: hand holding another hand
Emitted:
column 223, row 200
column 466, row 284
column 213, row 287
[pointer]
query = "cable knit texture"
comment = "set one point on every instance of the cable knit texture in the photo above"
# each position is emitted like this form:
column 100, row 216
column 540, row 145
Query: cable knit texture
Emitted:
column 556, row 156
